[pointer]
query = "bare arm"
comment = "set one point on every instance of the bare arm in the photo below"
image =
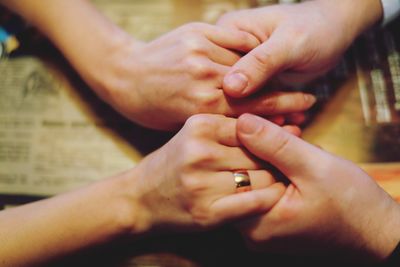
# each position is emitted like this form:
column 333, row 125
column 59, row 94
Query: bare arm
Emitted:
column 83, row 34
column 48, row 229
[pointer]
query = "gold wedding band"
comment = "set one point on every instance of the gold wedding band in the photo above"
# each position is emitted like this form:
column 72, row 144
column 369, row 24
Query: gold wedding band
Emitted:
column 242, row 181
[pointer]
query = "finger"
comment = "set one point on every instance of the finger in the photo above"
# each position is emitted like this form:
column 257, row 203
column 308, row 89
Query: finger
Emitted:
column 259, row 179
column 230, row 38
column 220, row 70
column 275, row 103
column 296, row 118
column 204, row 69
column 216, row 128
column 277, row 119
column 291, row 155
column 248, row 203
column 222, row 158
column 222, row 55
column 234, row 20
column 258, row 66
column 292, row 129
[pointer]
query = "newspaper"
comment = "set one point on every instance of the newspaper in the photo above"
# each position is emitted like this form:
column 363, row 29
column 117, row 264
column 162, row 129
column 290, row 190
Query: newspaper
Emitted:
column 50, row 139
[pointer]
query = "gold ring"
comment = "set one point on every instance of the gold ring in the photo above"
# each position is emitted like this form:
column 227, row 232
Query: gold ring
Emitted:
column 242, row 181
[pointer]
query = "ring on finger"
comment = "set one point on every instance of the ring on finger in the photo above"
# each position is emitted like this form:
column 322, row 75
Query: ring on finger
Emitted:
column 242, row 181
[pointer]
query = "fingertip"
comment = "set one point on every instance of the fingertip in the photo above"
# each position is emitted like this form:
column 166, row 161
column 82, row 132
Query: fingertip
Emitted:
column 249, row 124
column 310, row 99
column 235, row 84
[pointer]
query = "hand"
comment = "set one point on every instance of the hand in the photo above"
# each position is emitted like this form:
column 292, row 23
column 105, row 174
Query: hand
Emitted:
column 188, row 183
column 330, row 206
column 299, row 41
column 162, row 83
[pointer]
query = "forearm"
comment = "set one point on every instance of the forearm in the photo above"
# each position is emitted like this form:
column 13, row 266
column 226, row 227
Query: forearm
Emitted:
column 86, row 38
column 357, row 15
column 48, row 229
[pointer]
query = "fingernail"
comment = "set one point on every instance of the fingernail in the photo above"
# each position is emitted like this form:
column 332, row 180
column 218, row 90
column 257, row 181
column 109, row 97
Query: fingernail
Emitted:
column 310, row 99
column 250, row 124
column 236, row 82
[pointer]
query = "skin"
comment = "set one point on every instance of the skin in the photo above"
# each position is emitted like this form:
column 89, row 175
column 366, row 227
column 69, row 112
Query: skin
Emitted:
column 186, row 185
column 178, row 75
column 298, row 42
column 330, row 207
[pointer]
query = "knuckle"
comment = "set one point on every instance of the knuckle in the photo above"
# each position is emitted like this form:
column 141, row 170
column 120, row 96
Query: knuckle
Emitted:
column 282, row 141
column 256, row 237
column 209, row 101
column 195, row 27
column 197, row 68
column 195, row 152
column 245, row 43
column 201, row 156
column 192, row 44
column 263, row 61
column 202, row 216
column 191, row 145
column 226, row 19
column 192, row 185
column 200, row 122
column 270, row 105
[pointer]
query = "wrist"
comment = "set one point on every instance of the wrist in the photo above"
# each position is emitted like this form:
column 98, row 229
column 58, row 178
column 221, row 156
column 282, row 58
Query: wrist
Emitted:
column 390, row 233
column 119, row 81
column 116, row 76
column 130, row 216
column 382, row 231
column 113, row 69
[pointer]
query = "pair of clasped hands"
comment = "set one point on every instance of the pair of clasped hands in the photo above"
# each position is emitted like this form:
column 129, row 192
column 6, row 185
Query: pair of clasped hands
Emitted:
column 182, row 78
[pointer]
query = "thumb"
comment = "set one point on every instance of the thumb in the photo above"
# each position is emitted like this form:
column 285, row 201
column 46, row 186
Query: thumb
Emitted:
column 257, row 67
column 290, row 154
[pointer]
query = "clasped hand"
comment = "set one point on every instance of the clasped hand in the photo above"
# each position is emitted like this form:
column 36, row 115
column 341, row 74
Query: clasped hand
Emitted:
column 189, row 183
column 162, row 83
column 329, row 206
